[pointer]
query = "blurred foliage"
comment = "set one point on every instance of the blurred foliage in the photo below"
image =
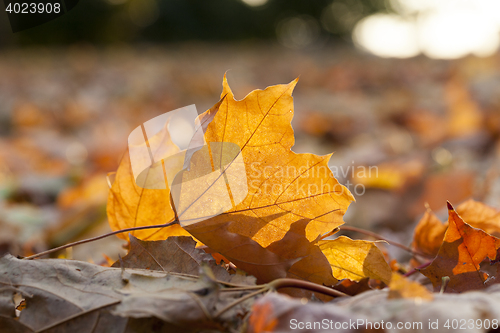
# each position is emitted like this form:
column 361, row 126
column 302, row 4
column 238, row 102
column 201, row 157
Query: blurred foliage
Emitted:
column 126, row 21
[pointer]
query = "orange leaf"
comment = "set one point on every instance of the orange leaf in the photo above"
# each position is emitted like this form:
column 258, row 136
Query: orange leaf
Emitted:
column 430, row 231
column 429, row 234
column 480, row 216
column 460, row 256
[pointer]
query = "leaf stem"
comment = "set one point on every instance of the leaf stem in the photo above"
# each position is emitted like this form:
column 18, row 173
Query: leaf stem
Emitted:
column 284, row 283
column 377, row 236
column 83, row 241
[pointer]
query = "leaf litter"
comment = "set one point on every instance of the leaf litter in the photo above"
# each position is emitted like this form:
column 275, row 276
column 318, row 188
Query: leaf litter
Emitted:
column 168, row 283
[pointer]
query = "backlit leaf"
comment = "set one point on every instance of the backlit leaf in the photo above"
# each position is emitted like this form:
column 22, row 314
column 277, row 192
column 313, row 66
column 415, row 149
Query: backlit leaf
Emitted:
column 355, row 259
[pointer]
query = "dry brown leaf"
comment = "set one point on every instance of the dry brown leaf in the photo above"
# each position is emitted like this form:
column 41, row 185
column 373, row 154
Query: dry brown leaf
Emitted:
column 402, row 287
column 175, row 254
column 463, row 250
column 352, row 288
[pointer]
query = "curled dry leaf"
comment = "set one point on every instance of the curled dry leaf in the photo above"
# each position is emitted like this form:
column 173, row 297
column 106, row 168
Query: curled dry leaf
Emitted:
column 352, row 288
column 460, row 256
column 430, row 231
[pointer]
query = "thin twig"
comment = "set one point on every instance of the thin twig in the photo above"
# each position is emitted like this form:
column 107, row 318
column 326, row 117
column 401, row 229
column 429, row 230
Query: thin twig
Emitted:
column 311, row 286
column 240, row 300
column 83, row 241
column 417, row 269
column 377, row 236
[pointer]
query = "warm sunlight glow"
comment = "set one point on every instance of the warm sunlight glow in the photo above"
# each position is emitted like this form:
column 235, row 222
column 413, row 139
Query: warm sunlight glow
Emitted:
column 387, row 36
column 442, row 29
column 255, row 3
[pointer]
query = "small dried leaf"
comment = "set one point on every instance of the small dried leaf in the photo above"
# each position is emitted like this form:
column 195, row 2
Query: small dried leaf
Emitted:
column 460, row 256
column 355, row 259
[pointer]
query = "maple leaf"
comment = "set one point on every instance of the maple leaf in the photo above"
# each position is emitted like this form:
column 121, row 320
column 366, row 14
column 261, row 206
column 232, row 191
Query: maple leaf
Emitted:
column 245, row 194
column 463, row 250
column 287, row 194
column 429, row 232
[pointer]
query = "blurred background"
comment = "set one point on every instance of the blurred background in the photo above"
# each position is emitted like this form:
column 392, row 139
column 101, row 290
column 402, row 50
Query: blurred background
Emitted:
column 411, row 87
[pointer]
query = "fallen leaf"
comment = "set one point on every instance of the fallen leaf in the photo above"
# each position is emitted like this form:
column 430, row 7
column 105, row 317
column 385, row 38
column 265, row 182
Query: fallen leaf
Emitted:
column 480, row 216
column 132, row 206
column 282, row 184
column 68, row 295
column 286, row 314
column 175, row 254
column 390, row 175
column 402, row 287
column 247, row 254
column 429, row 234
column 456, row 185
column 285, row 189
column 352, row 288
column 355, row 259
column 460, row 256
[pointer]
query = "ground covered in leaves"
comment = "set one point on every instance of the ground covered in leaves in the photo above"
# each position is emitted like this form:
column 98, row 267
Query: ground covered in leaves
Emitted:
column 408, row 136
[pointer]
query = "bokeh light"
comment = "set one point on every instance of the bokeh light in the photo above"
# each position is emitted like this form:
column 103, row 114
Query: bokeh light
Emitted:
column 298, row 31
column 254, row 3
column 441, row 29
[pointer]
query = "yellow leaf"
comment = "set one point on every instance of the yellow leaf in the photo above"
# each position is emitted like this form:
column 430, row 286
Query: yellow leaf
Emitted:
column 284, row 189
column 401, row 287
column 281, row 183
column 132, row 206
column 355, row 259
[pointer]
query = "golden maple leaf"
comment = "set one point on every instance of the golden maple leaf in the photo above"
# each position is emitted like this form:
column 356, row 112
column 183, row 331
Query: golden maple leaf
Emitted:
column 248, row 196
